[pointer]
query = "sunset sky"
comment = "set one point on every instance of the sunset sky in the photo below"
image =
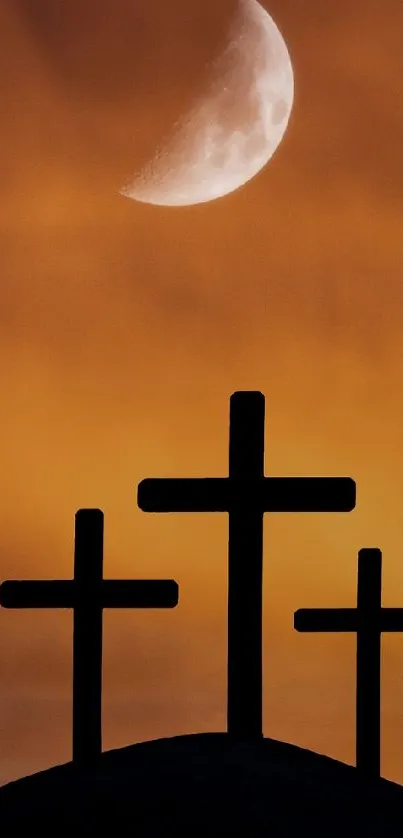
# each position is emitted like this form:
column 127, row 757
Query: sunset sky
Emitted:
column 125, row 327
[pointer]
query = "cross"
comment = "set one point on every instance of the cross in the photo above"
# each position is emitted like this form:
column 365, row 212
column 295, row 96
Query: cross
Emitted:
column 368, row 620
column 87, row 594
column 246, row 494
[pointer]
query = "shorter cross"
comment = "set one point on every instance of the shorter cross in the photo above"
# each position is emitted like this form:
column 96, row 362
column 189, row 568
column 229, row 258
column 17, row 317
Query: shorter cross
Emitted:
column 368, row 620
column 87, row 594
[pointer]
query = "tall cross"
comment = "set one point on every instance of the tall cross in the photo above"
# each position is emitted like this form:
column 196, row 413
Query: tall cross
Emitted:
column 87, row 594
column 368, row 620
column 246, row 494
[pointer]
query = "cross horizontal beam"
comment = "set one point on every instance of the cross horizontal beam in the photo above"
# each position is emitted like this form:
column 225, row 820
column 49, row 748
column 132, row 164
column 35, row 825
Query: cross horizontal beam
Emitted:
column 113, row 593
column 265, row 494
column 346, row 619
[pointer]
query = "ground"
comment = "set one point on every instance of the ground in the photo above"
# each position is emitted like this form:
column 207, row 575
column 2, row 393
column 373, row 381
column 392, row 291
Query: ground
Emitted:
column 205, row 785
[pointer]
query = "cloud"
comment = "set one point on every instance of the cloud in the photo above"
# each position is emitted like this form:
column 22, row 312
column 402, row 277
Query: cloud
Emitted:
column 124, row 328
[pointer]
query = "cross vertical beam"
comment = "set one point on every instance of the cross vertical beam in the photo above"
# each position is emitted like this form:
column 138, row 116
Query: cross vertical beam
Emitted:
column 87, row 636
column 368, row 694
column 245, row 538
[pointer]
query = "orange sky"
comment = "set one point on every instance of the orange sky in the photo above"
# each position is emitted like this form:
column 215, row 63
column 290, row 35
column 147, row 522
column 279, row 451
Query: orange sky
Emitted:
column 125, row 328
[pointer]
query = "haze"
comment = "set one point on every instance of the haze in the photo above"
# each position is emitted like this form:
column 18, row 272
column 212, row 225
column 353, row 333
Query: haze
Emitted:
column 125, row 328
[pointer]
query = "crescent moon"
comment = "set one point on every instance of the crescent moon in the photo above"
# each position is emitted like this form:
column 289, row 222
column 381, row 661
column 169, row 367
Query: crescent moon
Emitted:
column 228, row 136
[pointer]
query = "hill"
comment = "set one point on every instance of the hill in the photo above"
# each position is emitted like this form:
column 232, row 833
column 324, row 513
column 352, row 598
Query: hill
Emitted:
column 204, row 785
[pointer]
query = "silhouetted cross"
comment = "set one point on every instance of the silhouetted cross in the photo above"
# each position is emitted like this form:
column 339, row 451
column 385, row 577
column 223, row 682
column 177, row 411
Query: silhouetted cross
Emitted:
column 87, row 594
column 368, row 620
column 246, row 494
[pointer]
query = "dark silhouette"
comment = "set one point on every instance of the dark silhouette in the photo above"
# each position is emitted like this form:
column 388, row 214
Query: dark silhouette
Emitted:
column 204, row 786
column 246, row 494
column 87, row 594
column 368, row 620
column 221, row 784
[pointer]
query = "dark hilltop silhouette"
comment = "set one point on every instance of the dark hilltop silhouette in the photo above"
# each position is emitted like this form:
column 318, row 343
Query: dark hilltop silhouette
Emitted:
column 235, row 783
column 205, row 785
